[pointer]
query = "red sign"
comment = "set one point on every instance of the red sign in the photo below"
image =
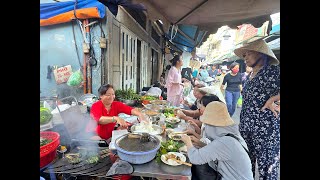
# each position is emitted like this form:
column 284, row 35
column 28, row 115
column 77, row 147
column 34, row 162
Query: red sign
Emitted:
column 62, row 74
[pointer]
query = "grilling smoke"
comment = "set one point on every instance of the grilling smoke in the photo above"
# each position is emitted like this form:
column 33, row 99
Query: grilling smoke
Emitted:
column 76, row 126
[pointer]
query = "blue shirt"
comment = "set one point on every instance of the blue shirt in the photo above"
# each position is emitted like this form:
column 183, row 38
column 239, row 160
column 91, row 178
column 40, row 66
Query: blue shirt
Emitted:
column 195, row 73
column 203, row 75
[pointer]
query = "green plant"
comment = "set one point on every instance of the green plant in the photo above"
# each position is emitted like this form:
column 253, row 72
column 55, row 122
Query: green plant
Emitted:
column 128, row 94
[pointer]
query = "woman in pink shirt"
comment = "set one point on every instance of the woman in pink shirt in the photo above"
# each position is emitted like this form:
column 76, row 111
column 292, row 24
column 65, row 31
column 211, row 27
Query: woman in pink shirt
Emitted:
column 173, row 82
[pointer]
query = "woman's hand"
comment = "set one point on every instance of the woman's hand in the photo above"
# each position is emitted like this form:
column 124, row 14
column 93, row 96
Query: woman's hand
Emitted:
column 192, row 123
column 195, row 140
column 271, row 106
column 180, row 114
column 186, row 139
column 185, row 102
column 189, row 131
column 122, row 122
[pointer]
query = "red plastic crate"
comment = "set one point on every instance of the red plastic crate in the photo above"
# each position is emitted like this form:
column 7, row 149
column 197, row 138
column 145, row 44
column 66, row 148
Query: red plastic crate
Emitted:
column 49, row 151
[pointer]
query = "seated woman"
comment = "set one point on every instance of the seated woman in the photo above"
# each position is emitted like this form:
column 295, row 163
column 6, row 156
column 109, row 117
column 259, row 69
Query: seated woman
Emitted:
column 198, row 137
column 193, row 113
column 199, row 91
column 227, row 151
column 105, row 112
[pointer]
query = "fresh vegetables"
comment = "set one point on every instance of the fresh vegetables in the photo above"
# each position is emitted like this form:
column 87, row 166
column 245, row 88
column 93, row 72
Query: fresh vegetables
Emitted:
column 168, row 112
column 127, row 94
column 45, row 115
column 44, row 141
column 169, row 125
column 168, row 146
column 149, row 98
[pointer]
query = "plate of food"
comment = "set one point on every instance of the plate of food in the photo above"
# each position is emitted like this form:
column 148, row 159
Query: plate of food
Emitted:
column 174, row 136
column 173, row 159
column 172, row 120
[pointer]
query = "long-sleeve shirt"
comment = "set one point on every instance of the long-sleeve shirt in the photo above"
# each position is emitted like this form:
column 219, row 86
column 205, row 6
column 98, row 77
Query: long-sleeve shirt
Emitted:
column 233, row 160
column 174, row 76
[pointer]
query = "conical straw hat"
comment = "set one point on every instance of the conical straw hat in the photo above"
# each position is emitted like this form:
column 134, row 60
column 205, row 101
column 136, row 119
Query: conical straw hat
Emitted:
column 257, row 46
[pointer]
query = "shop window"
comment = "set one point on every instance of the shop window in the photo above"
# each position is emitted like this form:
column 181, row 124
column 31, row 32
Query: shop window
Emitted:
column 155, row 35
column 139, row 16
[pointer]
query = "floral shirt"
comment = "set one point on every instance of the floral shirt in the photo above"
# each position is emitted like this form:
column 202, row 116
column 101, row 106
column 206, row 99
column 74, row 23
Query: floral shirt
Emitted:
column 255, row 94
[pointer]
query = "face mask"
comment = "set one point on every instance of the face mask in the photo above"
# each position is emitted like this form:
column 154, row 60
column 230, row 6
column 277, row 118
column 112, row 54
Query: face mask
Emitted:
column 224, row 71
column 235, row 71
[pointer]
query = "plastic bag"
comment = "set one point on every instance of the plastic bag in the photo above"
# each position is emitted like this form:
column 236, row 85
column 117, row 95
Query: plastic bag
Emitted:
column 239, row 103
column 75, row 79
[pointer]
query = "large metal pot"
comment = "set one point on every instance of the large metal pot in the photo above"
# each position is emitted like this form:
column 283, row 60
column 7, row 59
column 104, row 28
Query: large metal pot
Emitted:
column 129, row 102
column 137, row 157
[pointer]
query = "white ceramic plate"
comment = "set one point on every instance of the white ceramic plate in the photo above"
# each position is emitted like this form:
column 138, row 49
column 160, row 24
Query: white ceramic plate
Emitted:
column 183, row 149
column 172, row 162
column 172, row 120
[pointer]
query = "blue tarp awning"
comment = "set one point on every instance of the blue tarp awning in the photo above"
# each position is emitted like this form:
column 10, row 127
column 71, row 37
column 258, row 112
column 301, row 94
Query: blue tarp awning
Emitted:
column 61, row 12
column 187, row 37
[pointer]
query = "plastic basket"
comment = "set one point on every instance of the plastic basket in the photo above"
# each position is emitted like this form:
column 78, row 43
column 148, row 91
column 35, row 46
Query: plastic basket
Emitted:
column 49, row 151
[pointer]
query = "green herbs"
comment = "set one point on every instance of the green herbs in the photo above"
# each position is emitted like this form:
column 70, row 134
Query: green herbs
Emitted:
column 44, row 141
column 168, row 112
column 127, row 94
column 168, row 146
column 169, row 125
column 149, row 98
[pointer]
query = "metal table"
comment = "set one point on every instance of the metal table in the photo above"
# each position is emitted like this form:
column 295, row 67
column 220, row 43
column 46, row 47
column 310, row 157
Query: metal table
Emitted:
column 161, row 170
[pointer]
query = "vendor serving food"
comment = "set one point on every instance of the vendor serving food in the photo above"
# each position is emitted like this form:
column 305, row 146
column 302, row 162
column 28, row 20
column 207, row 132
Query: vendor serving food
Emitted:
column 105, row 112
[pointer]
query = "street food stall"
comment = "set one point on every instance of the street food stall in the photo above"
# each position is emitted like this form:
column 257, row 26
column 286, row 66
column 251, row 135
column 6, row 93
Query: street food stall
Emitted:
column 153, row 149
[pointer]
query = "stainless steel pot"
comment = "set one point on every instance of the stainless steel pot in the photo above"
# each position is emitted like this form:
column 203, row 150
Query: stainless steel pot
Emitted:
column 129, row 102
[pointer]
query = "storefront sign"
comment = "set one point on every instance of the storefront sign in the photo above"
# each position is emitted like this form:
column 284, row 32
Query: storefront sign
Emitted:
column 62, row 74
column 247, row 32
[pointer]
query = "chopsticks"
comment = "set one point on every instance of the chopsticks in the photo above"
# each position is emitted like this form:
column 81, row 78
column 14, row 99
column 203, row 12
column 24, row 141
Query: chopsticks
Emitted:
column 179, row 132
column 182, row 162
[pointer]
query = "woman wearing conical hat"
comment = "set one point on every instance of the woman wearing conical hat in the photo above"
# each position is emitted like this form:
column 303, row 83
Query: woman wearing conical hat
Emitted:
column 226, row 152
column 259, row 122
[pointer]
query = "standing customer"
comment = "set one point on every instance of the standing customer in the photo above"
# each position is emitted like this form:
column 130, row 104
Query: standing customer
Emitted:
column 261, row 128
column 173, row 82
column 234, row 87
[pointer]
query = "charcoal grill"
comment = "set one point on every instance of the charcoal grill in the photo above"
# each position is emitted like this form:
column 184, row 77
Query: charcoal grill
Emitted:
column 83, row 169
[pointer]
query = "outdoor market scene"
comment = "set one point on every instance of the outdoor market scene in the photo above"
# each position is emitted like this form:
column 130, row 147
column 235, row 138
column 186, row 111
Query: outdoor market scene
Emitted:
column 150, row 89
